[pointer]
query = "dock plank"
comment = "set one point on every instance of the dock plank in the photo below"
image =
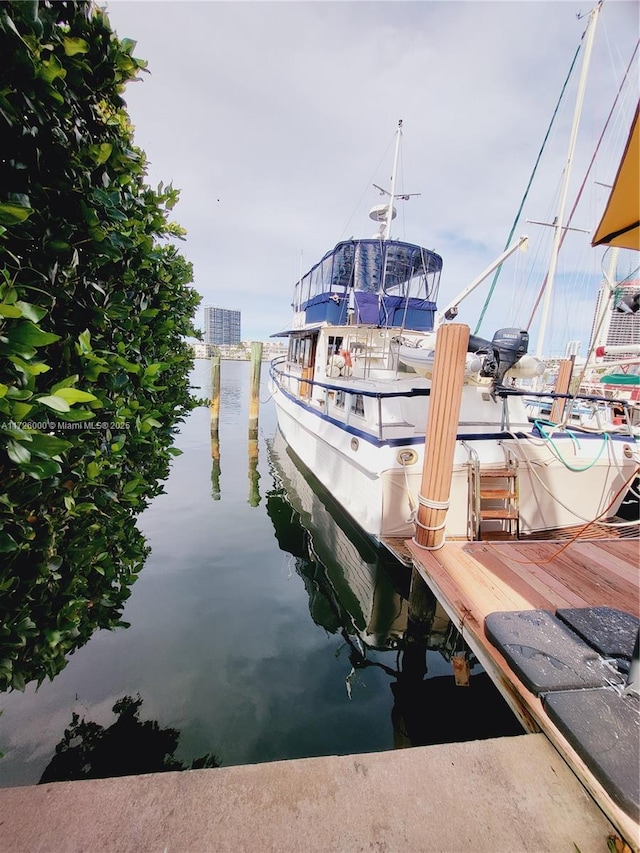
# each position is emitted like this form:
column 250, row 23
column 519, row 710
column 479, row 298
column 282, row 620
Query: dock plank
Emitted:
column 618, row 558
column 536, row 574
column 473, row 579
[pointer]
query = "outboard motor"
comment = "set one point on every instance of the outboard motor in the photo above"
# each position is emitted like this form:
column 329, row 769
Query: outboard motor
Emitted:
column 506, row 348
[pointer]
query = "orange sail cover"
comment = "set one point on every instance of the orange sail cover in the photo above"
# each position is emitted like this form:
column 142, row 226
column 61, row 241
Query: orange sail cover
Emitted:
column 620, row 224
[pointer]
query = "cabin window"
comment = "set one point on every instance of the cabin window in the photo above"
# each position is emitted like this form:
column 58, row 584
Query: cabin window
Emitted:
column 357, row 404
column 340, row 397
column 306, row 352
column 300, row 351
column 335, row 344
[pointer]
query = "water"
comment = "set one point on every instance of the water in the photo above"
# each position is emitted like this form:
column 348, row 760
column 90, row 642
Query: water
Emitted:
column 248, row 632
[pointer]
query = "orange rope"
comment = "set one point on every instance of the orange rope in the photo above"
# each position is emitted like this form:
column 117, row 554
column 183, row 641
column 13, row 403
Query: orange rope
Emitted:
column 624, row 486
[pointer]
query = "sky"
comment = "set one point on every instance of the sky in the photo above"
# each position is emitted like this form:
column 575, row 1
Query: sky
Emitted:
column 275, row 119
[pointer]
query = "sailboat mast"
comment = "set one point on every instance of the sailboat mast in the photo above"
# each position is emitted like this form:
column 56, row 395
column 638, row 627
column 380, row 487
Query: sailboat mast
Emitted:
column 591, row 30
column 601, row 327
column 392, row 194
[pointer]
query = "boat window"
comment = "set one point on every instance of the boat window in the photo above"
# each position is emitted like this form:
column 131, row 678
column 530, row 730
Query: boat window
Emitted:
column 335, row 344
column 305, row 352
column 314, row 284
column 340, row 397
column 300, row 351
column 357, row 404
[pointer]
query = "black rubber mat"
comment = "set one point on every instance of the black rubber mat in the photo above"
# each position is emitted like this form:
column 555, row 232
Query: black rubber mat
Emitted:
column 544, row 652
column 610, row 632
column 603, row 726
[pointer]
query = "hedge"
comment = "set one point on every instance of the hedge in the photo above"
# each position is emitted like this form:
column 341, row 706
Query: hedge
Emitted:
column 95, row 305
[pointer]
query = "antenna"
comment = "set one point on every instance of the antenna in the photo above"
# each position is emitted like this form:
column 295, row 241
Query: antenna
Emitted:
column 385, row 213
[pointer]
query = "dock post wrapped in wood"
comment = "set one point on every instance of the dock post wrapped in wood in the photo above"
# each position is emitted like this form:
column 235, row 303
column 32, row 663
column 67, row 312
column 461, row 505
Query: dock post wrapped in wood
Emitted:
column 442, row 429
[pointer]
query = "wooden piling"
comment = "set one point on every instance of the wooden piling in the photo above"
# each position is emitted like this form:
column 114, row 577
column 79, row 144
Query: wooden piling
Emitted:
column 452, row 341
column 214, row 403
column 254, row 383
column 563, row 382
column 442, row 428
column 422, row 608
column 254, row 475
column 215, row 468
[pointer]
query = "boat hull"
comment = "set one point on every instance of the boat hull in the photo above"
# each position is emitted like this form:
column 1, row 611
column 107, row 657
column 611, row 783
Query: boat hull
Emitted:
column 563, row 480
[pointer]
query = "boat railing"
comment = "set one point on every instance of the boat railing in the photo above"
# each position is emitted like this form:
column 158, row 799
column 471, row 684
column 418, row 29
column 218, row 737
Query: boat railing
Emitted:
column 579, row 405
column 473, row 514
column 291, row 383
column 410, row 392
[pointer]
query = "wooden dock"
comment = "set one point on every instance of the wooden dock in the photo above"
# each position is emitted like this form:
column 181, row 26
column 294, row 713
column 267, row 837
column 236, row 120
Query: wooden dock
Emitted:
column 474, row 579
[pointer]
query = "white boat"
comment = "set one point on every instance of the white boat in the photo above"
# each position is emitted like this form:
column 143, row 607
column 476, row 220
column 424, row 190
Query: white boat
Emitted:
column 359, row 592
column 352, row 399
column 355, row 587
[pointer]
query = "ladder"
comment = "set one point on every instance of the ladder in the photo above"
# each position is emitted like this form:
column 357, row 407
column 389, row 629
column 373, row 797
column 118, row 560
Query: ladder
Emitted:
column 494, row 511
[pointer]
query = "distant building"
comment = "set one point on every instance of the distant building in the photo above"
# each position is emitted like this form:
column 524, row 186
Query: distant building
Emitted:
column 238, row 352
column 201, row 350
column 621, row 322
column 221, row 326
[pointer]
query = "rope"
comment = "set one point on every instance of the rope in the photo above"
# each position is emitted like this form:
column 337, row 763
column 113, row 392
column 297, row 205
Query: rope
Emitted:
column 428, row 547
column 426, row 527
column 532, row 471
column 586, row 175
column 432, row 504
column 526, row 192
column 578, row 534
column 429, row 504
column 412, row 504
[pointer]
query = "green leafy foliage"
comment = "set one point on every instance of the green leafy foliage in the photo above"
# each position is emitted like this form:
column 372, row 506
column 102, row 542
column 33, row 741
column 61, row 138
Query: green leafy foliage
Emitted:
column 95, row 305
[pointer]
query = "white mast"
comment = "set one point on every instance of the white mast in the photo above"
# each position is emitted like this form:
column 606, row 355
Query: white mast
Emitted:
column 392, row 194
column 384, row 213
column 591, row 28
column 602, row 320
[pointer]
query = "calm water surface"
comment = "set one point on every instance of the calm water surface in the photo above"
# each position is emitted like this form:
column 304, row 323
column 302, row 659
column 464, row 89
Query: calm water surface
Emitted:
column 249, row 628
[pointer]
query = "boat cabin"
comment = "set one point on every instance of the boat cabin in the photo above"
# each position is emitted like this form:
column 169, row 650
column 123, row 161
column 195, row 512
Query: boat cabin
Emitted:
column 373, row 282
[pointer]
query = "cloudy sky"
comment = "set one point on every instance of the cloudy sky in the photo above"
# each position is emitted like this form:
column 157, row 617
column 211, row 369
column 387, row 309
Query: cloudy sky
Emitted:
column 274, row 119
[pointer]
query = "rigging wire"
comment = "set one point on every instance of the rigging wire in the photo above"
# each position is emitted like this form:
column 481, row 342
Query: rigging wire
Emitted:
column 588, row 172
column 368, row 187
column 526, row 192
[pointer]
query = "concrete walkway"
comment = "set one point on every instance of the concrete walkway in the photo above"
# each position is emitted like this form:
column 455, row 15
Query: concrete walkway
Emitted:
column 510, row 794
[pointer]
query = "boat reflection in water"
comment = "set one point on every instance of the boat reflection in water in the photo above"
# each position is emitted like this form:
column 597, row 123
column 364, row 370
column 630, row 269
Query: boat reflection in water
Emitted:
column 360, row 591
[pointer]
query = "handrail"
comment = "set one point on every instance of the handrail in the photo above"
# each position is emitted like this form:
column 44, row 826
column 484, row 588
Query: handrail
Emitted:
column 473, row 497
column 500, row 391
column 278, row 375
column 503, row 391
column 412, row 392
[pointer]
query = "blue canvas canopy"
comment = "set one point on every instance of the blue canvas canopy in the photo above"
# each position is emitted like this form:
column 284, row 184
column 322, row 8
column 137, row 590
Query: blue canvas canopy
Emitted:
column 372, row 266
column 382, row 282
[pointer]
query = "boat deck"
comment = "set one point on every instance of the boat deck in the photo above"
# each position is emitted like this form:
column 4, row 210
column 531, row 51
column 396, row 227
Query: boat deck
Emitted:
column 616, row 528
column 474, row 579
